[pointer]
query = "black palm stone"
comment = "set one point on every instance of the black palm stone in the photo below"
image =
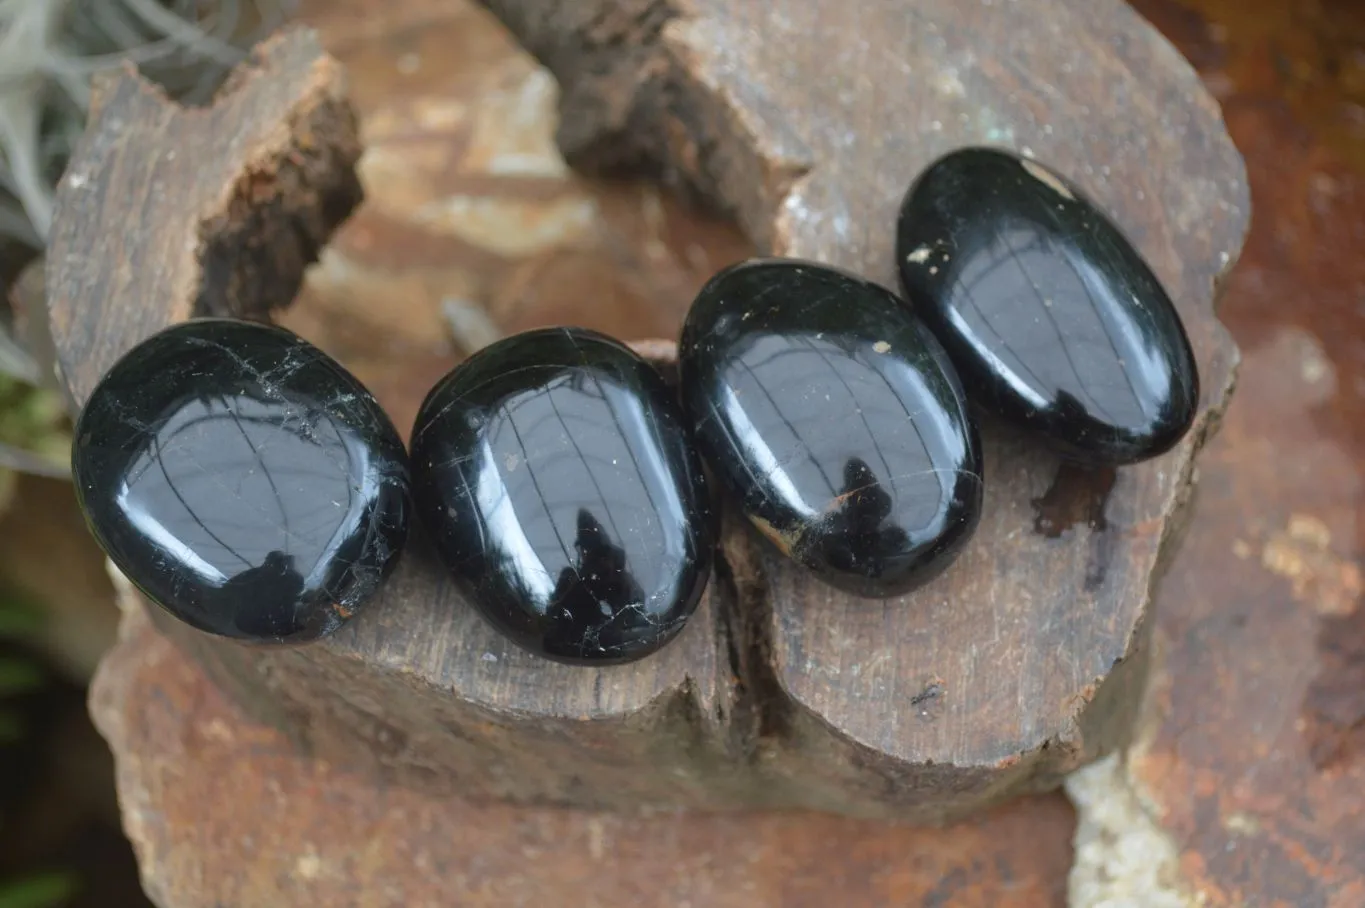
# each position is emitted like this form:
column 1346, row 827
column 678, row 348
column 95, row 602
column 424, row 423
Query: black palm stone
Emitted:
column 553, row 472
column 243, row 480
column 835, row 420
column 1053, row 319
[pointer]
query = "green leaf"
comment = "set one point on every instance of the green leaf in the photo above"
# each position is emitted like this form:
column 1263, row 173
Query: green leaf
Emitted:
column 44, row 890
column 17, row 677
column 19, row 617
column 34, row 433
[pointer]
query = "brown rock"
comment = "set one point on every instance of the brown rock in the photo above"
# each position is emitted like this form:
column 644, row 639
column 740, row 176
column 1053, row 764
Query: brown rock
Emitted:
column 1251, row 756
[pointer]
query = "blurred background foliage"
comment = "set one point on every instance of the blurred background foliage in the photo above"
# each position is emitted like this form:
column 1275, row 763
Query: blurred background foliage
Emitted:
column 57, row 811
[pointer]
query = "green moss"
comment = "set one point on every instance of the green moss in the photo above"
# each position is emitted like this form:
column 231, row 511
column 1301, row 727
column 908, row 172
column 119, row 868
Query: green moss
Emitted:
column 45, row 890
column 34, row 419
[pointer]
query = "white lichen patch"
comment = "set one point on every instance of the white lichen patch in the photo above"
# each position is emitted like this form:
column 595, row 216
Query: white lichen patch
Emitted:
column 949, row 84
column 1319, row 577
column 1124, row 859
column 309, row 865
column 1047, row 178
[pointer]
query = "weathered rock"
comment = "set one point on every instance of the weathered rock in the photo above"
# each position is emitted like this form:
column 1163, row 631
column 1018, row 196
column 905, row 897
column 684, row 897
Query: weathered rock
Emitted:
column 1250, row 752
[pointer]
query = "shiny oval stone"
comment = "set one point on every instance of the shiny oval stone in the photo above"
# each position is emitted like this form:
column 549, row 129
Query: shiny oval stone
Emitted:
column 553, row 471
column 1053, row 319
column 243, row 480
column 834, row 418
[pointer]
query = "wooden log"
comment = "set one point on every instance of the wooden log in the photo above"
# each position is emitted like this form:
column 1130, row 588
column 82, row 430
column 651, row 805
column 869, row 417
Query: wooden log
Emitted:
column 806, row 120
column 224, row 811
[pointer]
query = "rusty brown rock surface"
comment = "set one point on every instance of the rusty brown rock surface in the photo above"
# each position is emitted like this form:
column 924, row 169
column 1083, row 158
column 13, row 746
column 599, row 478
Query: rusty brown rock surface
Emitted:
column 224, row 811
column 1252, row 757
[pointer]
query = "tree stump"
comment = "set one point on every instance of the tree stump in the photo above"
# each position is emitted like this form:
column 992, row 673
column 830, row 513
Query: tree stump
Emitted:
column 224, row 811
column 806, row 121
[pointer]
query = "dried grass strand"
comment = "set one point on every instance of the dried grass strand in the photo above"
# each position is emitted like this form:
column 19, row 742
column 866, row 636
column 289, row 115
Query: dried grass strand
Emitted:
column 50, row 49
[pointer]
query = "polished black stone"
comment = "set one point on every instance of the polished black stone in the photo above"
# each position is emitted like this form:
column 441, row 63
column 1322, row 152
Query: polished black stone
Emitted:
column 1053, row 319
column 243, row 480
column 553, row 470
column 835, row 419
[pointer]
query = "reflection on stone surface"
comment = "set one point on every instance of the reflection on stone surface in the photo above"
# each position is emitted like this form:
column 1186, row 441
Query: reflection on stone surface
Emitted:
column 835, row 419
column 1053, row 319
column 243, row 480
column 554, row 473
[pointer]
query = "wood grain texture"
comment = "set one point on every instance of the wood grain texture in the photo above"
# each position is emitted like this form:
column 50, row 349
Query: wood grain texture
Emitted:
column 225, row 811
column 169, row 212
column 806, row 120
